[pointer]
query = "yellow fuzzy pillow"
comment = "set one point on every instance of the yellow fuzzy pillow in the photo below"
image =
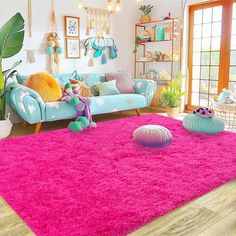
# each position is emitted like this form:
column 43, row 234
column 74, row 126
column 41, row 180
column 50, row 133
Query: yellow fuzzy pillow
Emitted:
column 46, row 86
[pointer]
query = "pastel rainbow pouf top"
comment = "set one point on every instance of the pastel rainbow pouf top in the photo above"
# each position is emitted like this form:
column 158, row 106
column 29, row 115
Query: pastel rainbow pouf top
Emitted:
column 152, row 136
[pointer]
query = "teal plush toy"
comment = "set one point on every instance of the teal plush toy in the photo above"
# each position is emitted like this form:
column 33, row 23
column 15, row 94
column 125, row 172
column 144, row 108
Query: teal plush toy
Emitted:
column 79, row 125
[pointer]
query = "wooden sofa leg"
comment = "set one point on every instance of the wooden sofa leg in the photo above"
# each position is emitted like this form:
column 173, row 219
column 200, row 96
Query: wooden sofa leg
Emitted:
column 38, row 127
column 138, row 112
column 25, row 123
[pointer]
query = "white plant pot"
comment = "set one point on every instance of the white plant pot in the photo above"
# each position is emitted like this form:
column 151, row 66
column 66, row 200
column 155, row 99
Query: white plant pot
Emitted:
column 173, row 112
column 5, row 126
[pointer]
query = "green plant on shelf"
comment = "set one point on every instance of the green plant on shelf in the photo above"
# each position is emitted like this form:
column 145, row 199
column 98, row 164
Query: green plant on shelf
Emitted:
column 146, row 9
column 137, row 44
column 171, row 96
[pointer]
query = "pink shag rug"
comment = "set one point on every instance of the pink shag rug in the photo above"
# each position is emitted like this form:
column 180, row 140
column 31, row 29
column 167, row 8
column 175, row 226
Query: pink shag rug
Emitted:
column 100, row 182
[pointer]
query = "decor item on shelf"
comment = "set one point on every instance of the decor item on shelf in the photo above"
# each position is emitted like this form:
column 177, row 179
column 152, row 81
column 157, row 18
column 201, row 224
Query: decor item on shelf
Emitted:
column 160, row 33
column 148, row 55
column 96, row 47
column 200, row 124
column 46, row 86
column 168, row 17
column 98, row 21
column 11, row 42
column 171, row 96
column 146, row 10
column 82, row 106
column 164, row 75
column 54, row 48
column 30, row 56
column 168, row 33
column 150, row 75
column 155, row 136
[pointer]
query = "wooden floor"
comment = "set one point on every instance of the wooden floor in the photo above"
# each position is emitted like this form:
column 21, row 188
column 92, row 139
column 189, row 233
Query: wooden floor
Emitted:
column 211, row 215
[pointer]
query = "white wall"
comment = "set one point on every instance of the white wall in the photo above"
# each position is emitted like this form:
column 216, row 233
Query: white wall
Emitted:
column 122, row 31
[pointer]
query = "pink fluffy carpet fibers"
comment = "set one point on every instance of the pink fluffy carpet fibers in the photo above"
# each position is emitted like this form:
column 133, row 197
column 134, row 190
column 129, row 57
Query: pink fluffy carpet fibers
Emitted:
column 100, row 182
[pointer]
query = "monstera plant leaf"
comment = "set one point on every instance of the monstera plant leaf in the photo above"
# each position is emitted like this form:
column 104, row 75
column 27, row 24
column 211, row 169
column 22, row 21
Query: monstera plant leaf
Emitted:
column 11, row 40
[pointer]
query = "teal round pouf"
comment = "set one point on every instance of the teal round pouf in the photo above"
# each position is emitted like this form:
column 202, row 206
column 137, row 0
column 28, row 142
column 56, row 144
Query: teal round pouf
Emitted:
column 199, row 124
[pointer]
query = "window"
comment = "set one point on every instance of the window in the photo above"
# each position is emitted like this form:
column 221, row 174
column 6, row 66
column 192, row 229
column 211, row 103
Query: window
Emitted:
column 208, row 43
column 232, row 67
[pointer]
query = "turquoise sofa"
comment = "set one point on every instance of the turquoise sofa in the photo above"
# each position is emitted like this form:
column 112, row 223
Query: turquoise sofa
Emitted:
column 29, row 105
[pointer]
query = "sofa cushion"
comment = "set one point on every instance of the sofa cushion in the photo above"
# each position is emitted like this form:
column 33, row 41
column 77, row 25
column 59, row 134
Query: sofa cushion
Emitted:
column 124, row 81
column 107, row 88
column 99, row 105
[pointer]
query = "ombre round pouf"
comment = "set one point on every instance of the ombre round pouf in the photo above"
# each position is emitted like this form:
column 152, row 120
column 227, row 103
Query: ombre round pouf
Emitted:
column 153, row 136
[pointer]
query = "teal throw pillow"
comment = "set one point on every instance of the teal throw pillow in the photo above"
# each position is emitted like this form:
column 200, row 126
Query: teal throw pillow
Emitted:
column 107, row 88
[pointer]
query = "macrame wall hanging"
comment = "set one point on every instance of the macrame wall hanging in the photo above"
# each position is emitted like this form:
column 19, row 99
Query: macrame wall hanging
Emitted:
column 100, row 49
column 98, row 21
column 54, row 48
column 30, row 57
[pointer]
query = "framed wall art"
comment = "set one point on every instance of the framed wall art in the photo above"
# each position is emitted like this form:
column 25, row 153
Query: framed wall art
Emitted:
column 72, row 48
column 72, row 26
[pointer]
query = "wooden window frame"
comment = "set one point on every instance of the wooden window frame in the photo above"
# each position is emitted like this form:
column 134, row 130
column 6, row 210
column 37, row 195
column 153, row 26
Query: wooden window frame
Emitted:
column 224, row 65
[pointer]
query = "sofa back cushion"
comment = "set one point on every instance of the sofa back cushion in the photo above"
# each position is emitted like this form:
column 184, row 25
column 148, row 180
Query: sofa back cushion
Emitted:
column 61, row 78
column 124, row 81
column 91, row 80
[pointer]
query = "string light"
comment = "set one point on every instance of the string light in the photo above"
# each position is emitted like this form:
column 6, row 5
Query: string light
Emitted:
column 111, row 4
column 80, row 4
column 118, row 8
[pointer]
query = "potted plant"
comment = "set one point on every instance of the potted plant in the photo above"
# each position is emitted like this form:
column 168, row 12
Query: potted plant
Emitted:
column 11, row 42
column 146, row 10
column 172, row 95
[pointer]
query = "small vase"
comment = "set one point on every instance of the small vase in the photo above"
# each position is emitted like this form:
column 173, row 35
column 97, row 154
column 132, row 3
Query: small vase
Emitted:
column 145, row 19
column 173, row 112
column 5, row 127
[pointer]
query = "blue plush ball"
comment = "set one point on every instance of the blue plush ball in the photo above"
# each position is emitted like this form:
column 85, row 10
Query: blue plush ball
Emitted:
column 153, row 136
column 49, row 50
column 59, row 50
column 199, row 124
